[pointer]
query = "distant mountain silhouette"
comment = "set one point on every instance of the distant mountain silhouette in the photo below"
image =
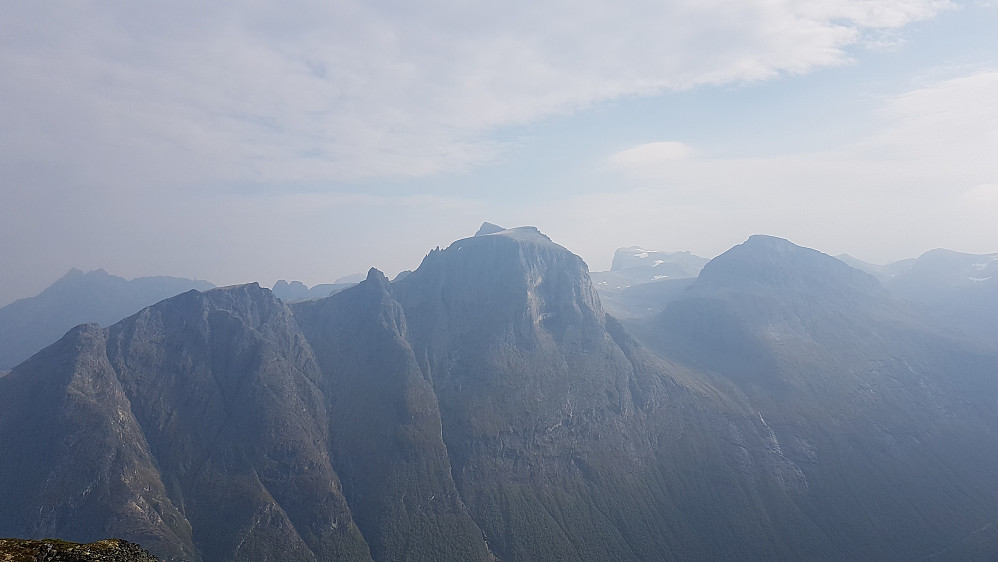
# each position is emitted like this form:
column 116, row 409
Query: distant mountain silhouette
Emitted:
column 960, row 289
column 28, row 325
column 638, row 264
column 641, row 282
column 297, row 291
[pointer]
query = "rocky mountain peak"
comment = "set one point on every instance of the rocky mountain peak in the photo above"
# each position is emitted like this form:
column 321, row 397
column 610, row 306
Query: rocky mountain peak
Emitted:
column 75, row 278
column 239, row 297
column 489, row 228
column 290, row 291
column 491, row 280
column 781, row 265
column 375, row 276
column 526, row 234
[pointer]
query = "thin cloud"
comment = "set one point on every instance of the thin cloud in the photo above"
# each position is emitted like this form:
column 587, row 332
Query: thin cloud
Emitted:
column 929, row 163
column 936, row 136
column 330, row 92
column 982, row 195
column 165, row 121
column 652, row 153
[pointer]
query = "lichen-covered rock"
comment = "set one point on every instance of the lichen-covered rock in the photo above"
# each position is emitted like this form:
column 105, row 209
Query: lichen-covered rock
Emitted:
column 54, row 550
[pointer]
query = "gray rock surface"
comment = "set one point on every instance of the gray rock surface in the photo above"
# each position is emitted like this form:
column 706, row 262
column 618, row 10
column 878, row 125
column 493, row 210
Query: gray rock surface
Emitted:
column 782, row 406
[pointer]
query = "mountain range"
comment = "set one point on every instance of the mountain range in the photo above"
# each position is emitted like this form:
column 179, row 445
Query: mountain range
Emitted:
column 28, row 325
column 780, row 404
column 298, row 291
column 957, row 288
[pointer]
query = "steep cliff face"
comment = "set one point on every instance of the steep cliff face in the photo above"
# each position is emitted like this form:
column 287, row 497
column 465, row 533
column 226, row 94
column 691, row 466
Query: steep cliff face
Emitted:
column 385, row 428
column 226, row 387
column 75, row 461
column 563, row 432
column 194, row 427
column 532, row 391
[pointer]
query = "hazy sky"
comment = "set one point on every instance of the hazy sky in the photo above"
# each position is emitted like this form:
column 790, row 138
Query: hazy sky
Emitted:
column 252, row 141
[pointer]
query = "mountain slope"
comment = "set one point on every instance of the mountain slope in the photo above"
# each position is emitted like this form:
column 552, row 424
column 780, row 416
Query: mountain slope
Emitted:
column 385, row 428
column 76, row 462
column 509, row 331
column 884, row 413
column 562, row 431
column 202, row 423
column 783, row 406
column 28, row 325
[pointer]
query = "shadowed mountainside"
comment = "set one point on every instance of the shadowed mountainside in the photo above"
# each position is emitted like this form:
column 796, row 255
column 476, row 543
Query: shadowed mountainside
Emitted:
column 486, row 407
column 886, row 415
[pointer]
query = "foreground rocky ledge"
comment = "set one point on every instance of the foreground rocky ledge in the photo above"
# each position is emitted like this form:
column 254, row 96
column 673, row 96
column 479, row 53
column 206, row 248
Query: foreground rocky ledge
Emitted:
column 52, row 550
